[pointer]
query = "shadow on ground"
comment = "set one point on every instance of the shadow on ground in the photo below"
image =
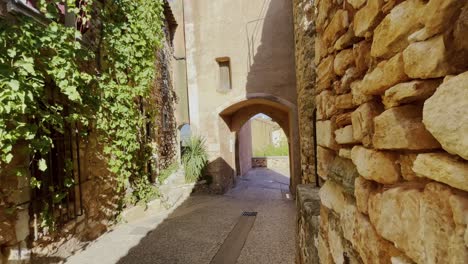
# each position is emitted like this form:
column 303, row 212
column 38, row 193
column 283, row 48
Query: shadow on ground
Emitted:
column 194, row 232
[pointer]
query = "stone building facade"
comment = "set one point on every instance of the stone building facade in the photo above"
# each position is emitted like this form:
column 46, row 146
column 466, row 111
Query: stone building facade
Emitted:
column 391, row 97
column 239, row 63
column 94, row 202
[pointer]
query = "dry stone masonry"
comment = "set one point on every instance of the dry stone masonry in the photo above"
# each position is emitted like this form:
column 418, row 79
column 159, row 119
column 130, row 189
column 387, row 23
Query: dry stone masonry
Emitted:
column 391, row 94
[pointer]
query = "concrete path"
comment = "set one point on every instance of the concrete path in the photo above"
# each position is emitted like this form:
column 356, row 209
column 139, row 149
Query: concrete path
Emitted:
column 198, row 228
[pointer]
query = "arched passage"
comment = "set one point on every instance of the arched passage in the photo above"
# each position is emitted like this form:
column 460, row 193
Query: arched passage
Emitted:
column 238, row 113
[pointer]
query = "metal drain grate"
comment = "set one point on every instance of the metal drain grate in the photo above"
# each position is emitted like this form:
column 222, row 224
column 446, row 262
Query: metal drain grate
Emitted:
column 249, row 214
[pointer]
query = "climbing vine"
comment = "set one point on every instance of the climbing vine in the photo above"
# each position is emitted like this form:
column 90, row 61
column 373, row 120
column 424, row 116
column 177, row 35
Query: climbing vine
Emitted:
column 100, row 85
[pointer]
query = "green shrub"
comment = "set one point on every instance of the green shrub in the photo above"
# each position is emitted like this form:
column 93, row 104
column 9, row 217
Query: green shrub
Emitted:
column 194, row 158
column 272, row 150
column 164, row 174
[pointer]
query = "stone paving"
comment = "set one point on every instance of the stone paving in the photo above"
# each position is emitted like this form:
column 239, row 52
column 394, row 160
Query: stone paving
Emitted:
column 196, row 229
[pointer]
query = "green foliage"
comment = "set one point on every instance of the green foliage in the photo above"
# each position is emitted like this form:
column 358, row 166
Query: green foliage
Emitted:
column 272, row 150
column 194, row 158
column 93, row 87
column 164, row 174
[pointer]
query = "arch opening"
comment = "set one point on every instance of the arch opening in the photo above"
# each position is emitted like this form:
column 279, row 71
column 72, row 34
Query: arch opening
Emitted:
column 237, row 119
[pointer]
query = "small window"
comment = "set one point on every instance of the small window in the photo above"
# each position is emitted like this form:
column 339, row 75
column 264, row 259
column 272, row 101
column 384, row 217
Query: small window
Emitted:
column 224, row 74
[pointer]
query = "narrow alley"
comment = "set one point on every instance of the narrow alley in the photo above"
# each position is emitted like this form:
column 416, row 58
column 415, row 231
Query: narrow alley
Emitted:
column 203, row 225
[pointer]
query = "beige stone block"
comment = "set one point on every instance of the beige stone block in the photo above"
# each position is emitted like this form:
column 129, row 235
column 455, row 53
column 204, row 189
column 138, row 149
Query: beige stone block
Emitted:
column 325, row 158
column 406, row 164
column 332, row 196
column 362, row 120
column 344, row 101
column 391, row 35
column 325, row 74
column 379, row 166
column 346, row 40
column 345, row 135
column 402, row 128
column 342, row 120
column 336, row 245
column 356, row 4
column 438, row 16
column 345, row 153
column 367, row 18
column 408, row 92
column 362, row 56
column 344, row 86
column 343, row 60
column 427, row 59
column 444, row 168
column 325, row 103
column 427, row 215
column 323, row 251
column 362, row 190
column 360, row 232
column 385, row 75
column 338, row 25
column 358, row 96
column 445, row 115
column 325, row 134
column 323, row 14
column 320, row 49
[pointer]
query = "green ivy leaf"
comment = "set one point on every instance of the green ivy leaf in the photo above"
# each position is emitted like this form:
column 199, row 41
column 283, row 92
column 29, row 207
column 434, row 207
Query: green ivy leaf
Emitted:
column 42, row 165
column 35, row 183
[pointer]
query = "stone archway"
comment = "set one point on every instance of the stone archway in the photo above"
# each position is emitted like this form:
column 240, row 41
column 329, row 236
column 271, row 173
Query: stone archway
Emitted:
column 236, row 113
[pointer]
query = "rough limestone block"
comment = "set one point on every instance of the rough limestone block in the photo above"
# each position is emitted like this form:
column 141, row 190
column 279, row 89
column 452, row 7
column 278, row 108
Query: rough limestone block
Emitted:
column 325, row 74
column 325, row 158
column 408, row 92
column 391, row 35
column 335, row 241
column 438, row 15
column 445, row 115
column 444, row 168
column 325, row 134
column 422, row 223
column 359, row 231
column 323, row 8
column 344, row 101
column 343, row 172
column 362, row 190
column 358, row 96
column 376, row 165
column 342, row 120
column 385, row 75
column 356, row 4
column 345, row 153
column 362, row 56
column 367, row 18
column 332, row 196
column 363, row 122
column 346, row 40
column 350, row 76
column 320, row 49
column 325, row 103
column 338, row 25
column 343, row 60
column 427, row 59
column 324, row 251
column 406, row 162
column 402, row 128
column 345, row 135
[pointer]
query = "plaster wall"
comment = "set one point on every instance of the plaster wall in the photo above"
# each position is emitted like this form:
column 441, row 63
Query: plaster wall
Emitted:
column 244, row 138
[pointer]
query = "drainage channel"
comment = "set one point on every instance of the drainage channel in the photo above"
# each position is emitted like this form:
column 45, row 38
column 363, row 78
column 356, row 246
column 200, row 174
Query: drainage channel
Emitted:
column 232, row 246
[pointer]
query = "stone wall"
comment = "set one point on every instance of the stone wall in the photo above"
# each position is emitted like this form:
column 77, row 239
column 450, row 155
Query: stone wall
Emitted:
column 280, row 162
column 304, row 28
column 392, row 127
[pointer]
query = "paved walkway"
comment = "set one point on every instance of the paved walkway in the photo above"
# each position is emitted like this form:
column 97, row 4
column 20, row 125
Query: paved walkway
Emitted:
column 202, row 224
